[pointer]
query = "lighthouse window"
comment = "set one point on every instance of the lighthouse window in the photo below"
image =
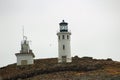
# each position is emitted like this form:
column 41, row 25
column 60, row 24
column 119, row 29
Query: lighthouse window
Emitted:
column 63, row 47
column 59, row 37
column 63, row 37
column 67, row 36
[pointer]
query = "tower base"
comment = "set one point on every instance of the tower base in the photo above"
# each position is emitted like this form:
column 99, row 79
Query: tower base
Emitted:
column 64, row 60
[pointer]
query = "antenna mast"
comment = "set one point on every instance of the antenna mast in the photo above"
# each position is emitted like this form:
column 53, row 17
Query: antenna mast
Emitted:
column 23, row 32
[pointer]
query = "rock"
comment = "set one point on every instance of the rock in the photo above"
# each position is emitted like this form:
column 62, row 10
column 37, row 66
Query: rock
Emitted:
column 0, row 78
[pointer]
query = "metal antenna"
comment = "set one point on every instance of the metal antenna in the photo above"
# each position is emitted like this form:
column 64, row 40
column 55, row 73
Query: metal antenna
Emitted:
column 23, row 31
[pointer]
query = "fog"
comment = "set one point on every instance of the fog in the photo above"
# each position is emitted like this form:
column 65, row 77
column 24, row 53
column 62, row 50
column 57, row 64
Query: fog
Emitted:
column 94, row 24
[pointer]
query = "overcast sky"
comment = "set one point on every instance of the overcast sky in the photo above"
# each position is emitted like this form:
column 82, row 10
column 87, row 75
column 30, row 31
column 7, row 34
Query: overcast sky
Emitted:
column 94, row 24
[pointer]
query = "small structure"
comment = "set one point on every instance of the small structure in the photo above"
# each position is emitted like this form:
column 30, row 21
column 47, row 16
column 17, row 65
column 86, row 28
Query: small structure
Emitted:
column 25, row 57
column 64, row 48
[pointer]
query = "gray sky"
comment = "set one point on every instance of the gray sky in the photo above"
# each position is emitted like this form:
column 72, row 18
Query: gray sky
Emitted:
column 95, row 27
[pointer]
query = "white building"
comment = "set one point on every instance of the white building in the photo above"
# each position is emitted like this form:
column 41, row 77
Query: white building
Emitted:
column 25, row 57
column 64, row 48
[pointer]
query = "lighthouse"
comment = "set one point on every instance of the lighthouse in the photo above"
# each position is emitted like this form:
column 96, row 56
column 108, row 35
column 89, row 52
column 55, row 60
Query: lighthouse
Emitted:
column 25, row 57
column 64, row 48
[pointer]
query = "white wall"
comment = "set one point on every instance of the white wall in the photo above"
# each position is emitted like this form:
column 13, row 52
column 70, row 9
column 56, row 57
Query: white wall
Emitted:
column 66, row 42
column 28, row 57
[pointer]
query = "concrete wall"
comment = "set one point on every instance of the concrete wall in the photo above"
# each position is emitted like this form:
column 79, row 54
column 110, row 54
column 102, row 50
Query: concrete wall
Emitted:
column 26, row 56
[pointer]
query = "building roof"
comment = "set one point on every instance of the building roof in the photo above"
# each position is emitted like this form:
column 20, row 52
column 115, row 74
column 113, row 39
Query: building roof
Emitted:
column 29, row 53
column 63, row 23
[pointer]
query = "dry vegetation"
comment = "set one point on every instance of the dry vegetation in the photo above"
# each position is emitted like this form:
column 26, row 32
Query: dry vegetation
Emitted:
column 84, row 68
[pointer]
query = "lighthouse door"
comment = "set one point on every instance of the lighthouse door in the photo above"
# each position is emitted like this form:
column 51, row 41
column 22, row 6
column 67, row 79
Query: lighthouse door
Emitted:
column 64, row 59
column 24, row 62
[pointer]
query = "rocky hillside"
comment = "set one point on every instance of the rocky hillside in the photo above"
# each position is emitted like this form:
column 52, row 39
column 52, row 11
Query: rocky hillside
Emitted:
column 84, row 68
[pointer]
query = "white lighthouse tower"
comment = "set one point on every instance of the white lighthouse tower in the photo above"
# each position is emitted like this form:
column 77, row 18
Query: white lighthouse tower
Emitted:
column 25, row 57
column 64, row 48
